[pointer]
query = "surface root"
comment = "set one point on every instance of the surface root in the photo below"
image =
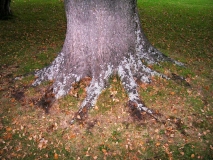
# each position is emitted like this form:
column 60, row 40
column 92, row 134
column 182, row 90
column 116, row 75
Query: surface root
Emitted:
column 180, row 80
column 47, row 100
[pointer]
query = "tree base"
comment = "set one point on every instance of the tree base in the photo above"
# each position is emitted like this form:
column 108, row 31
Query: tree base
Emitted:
column 104, row 40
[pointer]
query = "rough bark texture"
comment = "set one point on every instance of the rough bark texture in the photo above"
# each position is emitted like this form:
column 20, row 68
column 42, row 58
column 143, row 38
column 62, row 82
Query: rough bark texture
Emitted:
column 5, row 9
column 104, row 37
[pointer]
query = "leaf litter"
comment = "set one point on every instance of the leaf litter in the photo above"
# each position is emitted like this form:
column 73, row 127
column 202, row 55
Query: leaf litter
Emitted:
column 110, row 130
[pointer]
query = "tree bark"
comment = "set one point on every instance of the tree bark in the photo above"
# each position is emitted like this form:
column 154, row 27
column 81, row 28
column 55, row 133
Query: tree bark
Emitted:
column 5, row 11
column 104, row 37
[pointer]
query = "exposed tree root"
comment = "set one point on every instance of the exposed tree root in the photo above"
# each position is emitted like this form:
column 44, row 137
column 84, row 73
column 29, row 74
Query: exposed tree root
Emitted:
column 80, row 116
column 180, row 80
column 139, row 115
column 47, row 100
column 130, row 70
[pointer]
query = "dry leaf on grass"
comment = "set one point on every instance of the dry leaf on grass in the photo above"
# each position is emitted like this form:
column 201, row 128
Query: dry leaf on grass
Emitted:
column 55, row 156
column 42, row 143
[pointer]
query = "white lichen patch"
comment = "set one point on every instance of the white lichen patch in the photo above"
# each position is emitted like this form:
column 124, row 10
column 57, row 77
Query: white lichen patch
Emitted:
column 126, row 71
column 48, row 72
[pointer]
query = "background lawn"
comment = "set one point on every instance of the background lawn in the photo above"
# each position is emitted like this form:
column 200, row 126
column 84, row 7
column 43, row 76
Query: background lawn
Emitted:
column 182, row 29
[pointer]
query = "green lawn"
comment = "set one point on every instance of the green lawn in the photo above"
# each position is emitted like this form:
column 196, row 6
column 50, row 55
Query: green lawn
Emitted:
column 182, row 29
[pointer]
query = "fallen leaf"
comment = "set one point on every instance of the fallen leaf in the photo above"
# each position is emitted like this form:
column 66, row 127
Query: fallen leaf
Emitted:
column 8, row 136
column 8, row 129
column 143, row 86
column 157, row 144
column 104, row 151
column 172, row 93
column 172, row 135
column 42, row 144
column 72, row 135
column 78, row 117
column 13, row 100
column 182, row 153
column 55, row 156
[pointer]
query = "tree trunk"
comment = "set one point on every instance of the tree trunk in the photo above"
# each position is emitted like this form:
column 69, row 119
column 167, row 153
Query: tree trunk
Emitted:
column 5, row 9
column 104, row 37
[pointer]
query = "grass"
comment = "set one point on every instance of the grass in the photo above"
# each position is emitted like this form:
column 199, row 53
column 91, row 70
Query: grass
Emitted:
column 31, row 40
